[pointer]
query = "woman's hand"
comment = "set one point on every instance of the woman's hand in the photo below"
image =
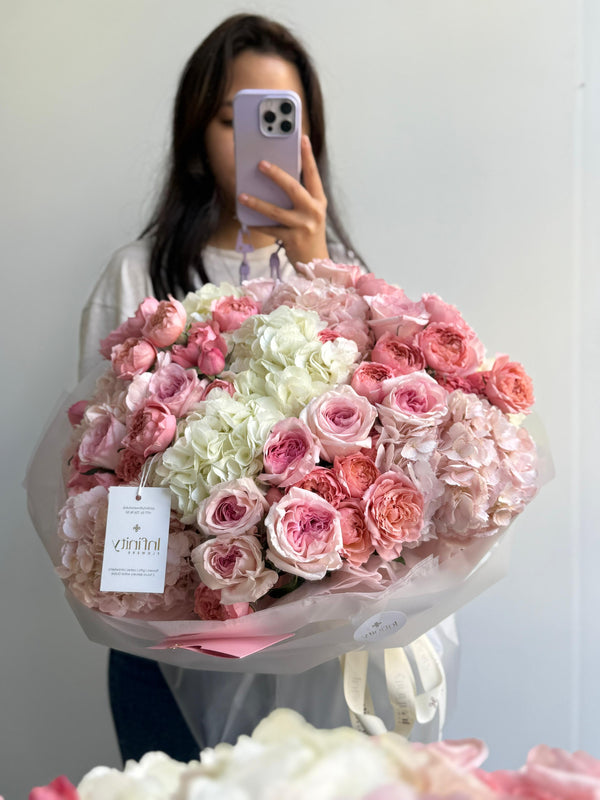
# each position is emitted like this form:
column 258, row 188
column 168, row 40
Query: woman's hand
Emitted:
column 301, row 228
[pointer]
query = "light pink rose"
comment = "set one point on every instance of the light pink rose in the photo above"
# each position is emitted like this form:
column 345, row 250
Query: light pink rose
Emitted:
column 394, row 513
column 219, row 383
column 395, row 313
column 76, row 412
column 290, row 452
column 100, row 443
column 132, row 357
column 166, row 324
column 150, row 429
column 450, row 348
column 341, row 420
column 232, row 508
column 304, row 535
column 323, row 482
column 61, row 788
column 369, row 379
column 230, row 312
column 415, row 399
column 208, row 606
column 508, row 386
column 400, row 356
column 358, row 546
column 440, row 311
column 205, row 349
column 355, row 473
column 177, row 388
column 344, row 275
column 235, row 566
column 131, row 328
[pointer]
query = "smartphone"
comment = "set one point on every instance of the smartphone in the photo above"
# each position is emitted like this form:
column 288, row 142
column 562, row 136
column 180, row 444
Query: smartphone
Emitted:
column 267, row 125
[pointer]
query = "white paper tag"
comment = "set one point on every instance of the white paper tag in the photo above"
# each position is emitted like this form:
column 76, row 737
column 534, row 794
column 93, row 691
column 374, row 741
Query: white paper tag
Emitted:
column 137, row 539
column 379, row 626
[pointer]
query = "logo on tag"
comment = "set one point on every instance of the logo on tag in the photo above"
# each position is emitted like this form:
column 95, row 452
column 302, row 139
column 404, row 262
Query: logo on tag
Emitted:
column 380, row 626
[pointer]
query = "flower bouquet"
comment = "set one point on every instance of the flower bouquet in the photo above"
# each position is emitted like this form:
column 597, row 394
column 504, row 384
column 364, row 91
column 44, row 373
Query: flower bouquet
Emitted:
column 342, row 465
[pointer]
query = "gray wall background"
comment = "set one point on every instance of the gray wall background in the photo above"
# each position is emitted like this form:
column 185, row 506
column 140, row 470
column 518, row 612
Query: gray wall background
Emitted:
column 464, row 143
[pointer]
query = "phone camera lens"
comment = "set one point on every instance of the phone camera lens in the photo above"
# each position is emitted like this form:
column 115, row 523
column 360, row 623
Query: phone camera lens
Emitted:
column 269, row 117
column 286, row 126
column 286, row 107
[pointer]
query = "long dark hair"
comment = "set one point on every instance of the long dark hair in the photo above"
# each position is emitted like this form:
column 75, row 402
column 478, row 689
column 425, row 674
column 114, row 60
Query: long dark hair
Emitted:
column 187, row 212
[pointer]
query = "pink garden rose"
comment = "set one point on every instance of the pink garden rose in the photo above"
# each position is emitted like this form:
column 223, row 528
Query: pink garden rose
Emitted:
column 205, row 349
column 355, row 473
column 450, row 348
column 415, row 399
column 208, row 606
column 508, row 386
column 232, row 508
column 394, row 513
column 150, row 429
column 399, row 355
column 101, row 441
column 304, row 535
column 131, row 328
column 235, row 566
column 369, row 285
column 356, row 538
column 132, row 357
column 290, row 452
column 341, row 420
column 323, row 481
column 230, row 312
column 369, row 379
column 166, row 323
column 176, row 388
column 395, row 313
column 344, row 275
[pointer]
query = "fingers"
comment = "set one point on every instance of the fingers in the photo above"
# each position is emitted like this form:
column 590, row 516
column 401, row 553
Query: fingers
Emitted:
column 279, row 215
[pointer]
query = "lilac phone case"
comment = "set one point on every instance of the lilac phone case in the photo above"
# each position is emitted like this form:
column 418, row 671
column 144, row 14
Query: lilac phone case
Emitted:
column 252, row 146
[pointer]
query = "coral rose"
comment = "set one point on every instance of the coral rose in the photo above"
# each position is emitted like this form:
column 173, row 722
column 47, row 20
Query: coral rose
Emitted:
column 166, row 324
column 394, row 513
column 400, row 356
column 356, row 473
column 508, row 386
column 230, row 312
column 132, row 357
column 355, row 534
column 150, row 429
column 369, row 378
column 450, row 348
column 323, row 481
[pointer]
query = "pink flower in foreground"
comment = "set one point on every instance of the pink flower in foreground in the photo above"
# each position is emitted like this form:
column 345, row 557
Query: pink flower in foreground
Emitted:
column 415, row 399
column 323, row 482
column 230, row 312
column 177, row 388
column 356, row 473
column 450, row 348
column 60, row 789
column 131, row 328
column 100, row 443
column 357, row 544
column 235, row 566
column 508, row 386
column 369, row 379
column 232, row 508
column 76, row 412
column 341, row 420
column 394, row 513
column 82, row 478
column 205, row 349
column 395, row 313
column 400, row 356
column 150, row 429
column 218, row 383
column 208, row 606
column 344, row 275
column 369, row 285
column 166, row 323
column 304, row 535
column 290, row 452
column 132, row 357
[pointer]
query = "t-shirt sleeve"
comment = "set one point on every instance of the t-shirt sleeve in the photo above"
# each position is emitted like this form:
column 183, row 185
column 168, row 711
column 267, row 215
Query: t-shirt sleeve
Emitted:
column 120, row 289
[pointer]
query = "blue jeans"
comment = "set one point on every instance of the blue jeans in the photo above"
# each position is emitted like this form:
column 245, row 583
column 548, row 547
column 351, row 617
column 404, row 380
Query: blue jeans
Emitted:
column 145, row 714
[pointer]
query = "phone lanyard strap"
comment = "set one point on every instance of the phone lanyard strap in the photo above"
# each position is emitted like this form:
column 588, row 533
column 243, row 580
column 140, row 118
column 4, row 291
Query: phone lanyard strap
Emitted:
column 274, row 263
column 244, row 247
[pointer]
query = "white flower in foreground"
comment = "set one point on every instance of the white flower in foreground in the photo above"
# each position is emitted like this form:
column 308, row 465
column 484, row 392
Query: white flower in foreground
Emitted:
column 155, row 777
column 198, row 304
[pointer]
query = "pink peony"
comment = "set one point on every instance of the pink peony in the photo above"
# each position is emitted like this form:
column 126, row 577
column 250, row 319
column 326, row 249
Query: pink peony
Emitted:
column 102, row 439
column 394, row 513
column 357, row 544
column 235, row 566
column 344, row 275
column 450, row 348
column 397, row 354
column 323, row 481
column 176, row 388
column 131, row 328
column 150, row 429
column 166, row 323
column 355, row 473
column 132, row 357
column 205, row 349
column 208, row 606
column 508, row 386
column 341, row 420
column 369, row 379
column 290, row 452
column 304, row 535
column 232, row 508
column 230, row 312
column 60, row 789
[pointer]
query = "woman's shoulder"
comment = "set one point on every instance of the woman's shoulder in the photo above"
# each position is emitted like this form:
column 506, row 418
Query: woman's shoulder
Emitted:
column 125, row 281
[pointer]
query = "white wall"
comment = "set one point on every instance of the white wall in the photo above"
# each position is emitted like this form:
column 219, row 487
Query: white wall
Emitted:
column 465, row 151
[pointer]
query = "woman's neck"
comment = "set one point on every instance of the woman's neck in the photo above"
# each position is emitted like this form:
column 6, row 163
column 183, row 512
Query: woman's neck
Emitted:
column 225, row 237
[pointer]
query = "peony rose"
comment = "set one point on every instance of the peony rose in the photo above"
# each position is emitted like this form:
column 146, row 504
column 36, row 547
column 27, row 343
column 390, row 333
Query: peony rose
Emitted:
column 304, row 535
column 356, row 473
column 208, row 606
column 369, row 379
column 450, row 348
column 232, row 508
column 230, row 312
column 166, row 324
column 234, row 564
column 205, row 349
column 416, row 399
column 100, row 443
column 357, row 544
column 323, row 481
column 131, row 328
column 508, row 386
column 132, row 357
column 344, row 275
column 341, row 420
column 394, row 513
column 401, row 357
column 290, row 453
column 150, row 429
